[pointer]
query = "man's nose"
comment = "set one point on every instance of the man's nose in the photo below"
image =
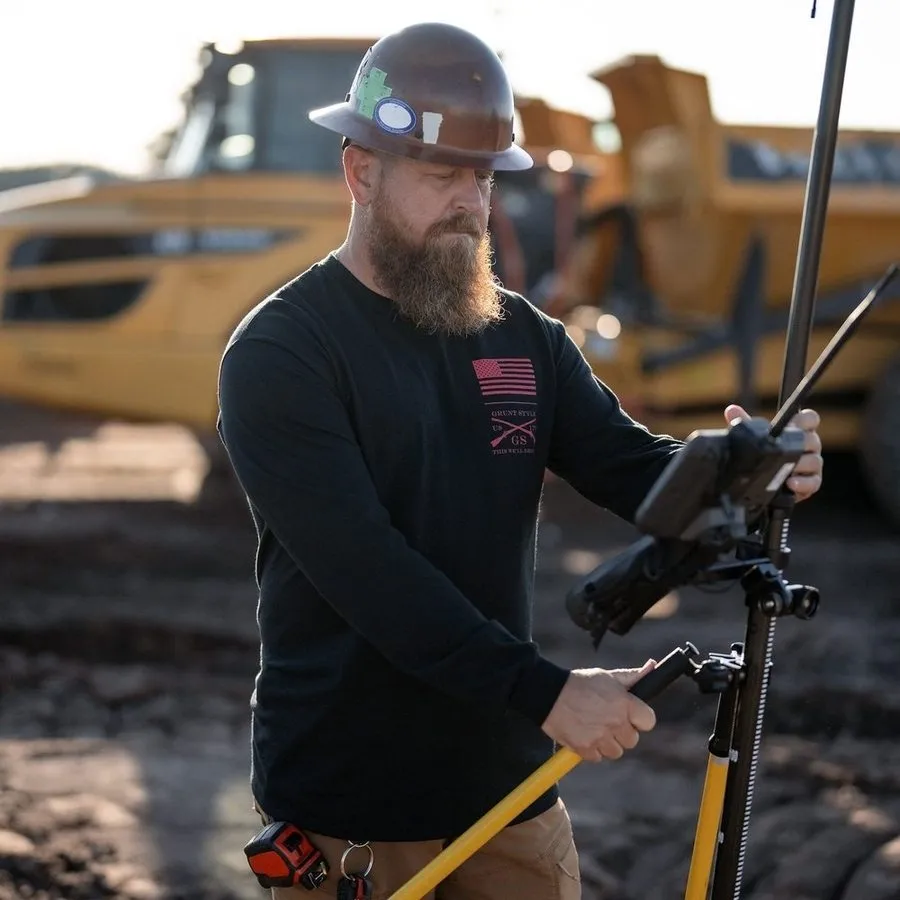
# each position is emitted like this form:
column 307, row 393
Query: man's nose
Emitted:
column 470, row 197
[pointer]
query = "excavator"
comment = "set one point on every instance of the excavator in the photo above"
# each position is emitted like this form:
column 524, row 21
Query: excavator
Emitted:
column 667, row 249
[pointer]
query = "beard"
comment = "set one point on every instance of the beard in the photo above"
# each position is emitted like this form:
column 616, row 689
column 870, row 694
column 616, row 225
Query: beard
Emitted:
column 444, row 284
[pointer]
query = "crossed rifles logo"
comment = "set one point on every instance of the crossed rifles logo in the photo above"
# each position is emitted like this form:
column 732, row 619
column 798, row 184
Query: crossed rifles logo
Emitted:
column 526, row 428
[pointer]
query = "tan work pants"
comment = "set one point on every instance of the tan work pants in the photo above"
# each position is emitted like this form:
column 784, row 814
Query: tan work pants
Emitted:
column 534, row 860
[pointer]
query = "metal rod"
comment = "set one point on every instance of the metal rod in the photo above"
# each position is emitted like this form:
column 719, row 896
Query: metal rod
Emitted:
column 843, row 334
column 729, row 871
column 818, row 189
column 760, row 634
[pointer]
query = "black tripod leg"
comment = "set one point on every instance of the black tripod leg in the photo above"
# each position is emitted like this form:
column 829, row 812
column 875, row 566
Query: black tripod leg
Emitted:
column 745, row 740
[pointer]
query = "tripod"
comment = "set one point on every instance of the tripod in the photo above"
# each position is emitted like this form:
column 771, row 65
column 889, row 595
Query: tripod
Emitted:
column 721, row 673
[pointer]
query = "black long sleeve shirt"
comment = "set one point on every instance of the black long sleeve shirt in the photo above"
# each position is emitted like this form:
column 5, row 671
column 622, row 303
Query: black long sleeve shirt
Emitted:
column 394, row 478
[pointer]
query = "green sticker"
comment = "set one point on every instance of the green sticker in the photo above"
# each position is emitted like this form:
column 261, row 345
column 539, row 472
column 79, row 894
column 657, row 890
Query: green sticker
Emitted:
column 370, row 91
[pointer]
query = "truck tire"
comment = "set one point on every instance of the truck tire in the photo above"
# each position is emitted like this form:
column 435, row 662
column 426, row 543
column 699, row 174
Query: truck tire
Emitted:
column 880, row 442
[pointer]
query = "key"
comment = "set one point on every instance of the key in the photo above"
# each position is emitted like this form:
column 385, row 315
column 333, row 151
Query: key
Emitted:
column 354, row 887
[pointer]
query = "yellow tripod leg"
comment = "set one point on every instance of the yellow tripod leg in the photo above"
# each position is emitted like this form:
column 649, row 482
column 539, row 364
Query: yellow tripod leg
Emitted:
column 477, row 835
column 678, row 662
column 708, row 824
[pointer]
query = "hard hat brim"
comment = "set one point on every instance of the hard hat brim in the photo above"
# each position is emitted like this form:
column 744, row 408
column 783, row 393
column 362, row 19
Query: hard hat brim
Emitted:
column 343, row 119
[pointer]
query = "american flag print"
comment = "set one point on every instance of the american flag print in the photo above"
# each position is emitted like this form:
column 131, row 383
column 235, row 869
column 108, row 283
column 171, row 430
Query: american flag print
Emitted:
column 510, row 377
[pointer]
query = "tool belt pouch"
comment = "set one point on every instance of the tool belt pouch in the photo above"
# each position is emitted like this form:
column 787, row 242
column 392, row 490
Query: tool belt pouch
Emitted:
column 282, row 856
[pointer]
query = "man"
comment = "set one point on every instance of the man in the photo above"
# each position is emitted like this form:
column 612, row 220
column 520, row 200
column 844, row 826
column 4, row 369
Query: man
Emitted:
column 390, row 414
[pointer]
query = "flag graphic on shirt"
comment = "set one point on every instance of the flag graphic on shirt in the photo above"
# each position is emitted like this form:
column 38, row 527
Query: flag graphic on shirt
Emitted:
column 505, row 377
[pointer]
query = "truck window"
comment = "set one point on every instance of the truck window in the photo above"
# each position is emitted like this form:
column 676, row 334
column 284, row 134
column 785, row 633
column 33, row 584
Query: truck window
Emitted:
column 298, row 81
column 236, row 150
column 188, row 149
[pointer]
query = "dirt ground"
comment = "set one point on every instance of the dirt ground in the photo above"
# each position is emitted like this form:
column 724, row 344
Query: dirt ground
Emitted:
column 128, row 648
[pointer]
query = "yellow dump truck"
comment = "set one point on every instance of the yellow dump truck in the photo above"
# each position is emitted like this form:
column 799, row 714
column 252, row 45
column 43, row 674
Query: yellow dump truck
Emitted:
column 118, row 295
column 678, row 284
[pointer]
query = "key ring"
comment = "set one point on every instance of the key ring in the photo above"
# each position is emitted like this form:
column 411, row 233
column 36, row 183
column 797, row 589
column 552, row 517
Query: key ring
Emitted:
column 349, row 850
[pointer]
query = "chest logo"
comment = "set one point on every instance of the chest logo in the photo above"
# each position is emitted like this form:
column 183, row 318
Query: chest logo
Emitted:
column 509, row 393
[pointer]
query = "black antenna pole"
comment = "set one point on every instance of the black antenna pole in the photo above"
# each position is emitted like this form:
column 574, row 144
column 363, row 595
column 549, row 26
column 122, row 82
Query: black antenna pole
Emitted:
column 818, row 187
column 760, row 635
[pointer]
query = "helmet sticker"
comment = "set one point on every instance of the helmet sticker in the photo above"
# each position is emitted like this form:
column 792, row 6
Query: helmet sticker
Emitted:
column 371, row 89
column 431, row 126
column 395, row 116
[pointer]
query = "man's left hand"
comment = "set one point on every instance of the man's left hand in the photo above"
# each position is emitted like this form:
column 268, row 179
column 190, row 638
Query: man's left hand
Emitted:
column 806, row 478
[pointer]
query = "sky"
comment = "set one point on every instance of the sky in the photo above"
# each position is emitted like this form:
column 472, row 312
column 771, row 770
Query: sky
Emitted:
column 95, row 81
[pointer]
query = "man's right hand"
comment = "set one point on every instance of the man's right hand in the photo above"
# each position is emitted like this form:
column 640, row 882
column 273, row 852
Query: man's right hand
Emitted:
column 596, row 716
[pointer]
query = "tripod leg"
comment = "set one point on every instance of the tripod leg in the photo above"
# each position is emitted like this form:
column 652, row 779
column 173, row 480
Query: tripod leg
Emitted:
column 745, row 742
column 477, row 835
column 671, row 667
column 712, row 799
column 707, row 834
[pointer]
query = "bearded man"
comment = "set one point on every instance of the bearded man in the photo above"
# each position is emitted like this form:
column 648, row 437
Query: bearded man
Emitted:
column 390, row 414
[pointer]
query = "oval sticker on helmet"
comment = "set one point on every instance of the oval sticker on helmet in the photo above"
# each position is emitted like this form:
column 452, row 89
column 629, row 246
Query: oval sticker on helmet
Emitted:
column 394, row 115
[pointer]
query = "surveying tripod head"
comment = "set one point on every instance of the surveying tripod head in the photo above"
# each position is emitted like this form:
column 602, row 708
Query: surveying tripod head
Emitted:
column 707, row 503
column 712, row 501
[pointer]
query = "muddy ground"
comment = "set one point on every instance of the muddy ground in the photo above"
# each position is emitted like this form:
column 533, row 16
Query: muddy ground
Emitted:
column 127, row 652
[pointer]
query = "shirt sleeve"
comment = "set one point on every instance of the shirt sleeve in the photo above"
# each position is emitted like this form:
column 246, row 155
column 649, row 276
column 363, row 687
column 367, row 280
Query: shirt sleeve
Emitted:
column 293, row 449
column 595, row 446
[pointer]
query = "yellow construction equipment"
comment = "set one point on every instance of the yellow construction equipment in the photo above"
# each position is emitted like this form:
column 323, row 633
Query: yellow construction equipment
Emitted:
column 669, row 253
column 679, row 281
column 118, row 295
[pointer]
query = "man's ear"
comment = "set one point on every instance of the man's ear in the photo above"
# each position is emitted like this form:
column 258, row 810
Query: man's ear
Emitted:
column 362, row 170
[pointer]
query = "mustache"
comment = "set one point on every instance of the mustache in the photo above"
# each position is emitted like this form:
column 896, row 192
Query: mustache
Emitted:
column 464, row 223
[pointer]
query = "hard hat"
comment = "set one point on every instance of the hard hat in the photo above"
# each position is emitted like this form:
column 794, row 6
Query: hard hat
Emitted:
column 432, row 92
